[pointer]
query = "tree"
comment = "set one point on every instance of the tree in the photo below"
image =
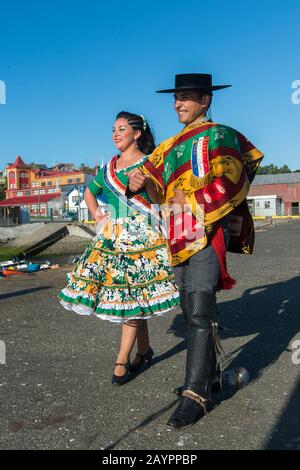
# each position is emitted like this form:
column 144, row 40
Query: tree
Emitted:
column 3, row 187
column 86, row 169
column 273, row 170
column 284, row 169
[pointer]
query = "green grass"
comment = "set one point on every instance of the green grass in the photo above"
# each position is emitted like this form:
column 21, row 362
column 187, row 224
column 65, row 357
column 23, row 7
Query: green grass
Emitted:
column 7, row 253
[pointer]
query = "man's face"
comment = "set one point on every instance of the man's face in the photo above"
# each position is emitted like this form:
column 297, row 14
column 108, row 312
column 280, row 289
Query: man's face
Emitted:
column 189, row 106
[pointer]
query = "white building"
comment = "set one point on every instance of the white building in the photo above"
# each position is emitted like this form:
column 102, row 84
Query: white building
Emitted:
column 72, row 199
column 266, row 206
column 75, row 203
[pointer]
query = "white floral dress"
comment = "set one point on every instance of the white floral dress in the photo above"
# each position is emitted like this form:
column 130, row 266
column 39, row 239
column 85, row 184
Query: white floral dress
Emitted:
column 125, row 271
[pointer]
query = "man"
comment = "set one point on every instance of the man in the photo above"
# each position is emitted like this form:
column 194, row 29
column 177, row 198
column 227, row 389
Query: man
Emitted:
column 204, row 173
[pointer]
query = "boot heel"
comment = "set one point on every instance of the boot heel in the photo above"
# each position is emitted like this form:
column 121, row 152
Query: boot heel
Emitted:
column 148, row 362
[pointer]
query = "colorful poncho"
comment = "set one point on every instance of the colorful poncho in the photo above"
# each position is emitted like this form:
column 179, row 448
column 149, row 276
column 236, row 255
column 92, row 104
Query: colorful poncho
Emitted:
column 213, row 165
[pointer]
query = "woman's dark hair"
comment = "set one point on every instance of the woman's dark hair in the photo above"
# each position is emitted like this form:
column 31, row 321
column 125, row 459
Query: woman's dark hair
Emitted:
column 145, row 142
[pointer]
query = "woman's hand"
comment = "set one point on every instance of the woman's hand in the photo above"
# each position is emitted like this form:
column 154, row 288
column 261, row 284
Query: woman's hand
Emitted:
column 101, row 219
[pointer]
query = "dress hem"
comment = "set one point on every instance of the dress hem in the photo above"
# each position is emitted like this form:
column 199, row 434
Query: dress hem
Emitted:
column 84, row 310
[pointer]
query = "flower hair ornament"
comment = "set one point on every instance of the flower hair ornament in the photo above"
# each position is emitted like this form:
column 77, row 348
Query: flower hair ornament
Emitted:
column 144, row 122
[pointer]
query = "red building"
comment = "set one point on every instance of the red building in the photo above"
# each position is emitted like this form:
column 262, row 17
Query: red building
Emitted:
column 37, row 189
column 279, row 194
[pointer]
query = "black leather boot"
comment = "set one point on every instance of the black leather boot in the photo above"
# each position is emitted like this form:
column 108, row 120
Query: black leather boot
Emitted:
column 216, row 386
column 200, row 362
column 190, row 409
column 201, row 355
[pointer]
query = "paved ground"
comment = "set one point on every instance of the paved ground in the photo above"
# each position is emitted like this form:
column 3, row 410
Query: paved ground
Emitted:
column 55, row 390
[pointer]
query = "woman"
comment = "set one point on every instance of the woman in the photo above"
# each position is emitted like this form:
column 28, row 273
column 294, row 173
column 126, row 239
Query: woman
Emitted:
column 124, row 275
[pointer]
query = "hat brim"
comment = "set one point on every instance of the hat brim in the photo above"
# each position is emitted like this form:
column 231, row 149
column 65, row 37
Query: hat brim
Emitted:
column 198, row 88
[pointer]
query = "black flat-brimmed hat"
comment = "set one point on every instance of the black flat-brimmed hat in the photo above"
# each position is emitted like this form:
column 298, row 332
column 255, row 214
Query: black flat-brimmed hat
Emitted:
column 193, row 81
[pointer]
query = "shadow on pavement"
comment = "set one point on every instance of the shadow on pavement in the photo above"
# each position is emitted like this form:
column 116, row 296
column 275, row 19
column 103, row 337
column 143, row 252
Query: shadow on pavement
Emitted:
column 143, row 423
column 271, row 313
column 286, row 432
column 23, row 292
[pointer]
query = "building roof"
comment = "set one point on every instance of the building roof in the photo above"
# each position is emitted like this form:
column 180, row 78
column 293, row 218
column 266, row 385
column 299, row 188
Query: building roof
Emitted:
column 62, row 165
column 78, row 189
column 18, row 163
column 51, row 174
column 267, row 196
column 282, row 178
column 25, row 200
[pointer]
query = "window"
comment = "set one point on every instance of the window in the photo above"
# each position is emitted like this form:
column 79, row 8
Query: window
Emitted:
column 49, row 183
column 20, row 193
column 267, row 205
column 256, row 203
column 43, row 183
column 27, row 193
column 70, row 181
column 74, row 198
column 78, row 180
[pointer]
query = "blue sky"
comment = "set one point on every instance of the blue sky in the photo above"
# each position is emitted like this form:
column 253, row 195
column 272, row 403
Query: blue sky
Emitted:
column 71, row 65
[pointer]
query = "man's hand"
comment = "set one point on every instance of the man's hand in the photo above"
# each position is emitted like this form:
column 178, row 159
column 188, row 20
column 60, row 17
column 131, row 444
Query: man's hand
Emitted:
column 137, row 180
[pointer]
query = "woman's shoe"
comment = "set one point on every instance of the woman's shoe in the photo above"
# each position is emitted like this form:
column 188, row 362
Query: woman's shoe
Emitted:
column 121, row 379
column 145, row 359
